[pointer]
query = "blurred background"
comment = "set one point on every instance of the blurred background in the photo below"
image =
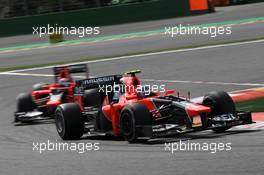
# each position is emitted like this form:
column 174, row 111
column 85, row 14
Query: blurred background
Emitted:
column 13, row 8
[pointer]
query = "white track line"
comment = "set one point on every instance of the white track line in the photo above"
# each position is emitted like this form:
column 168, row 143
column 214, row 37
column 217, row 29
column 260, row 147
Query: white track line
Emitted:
column 258, row 125
column 144, row 55
column 147, row 80
column 204, row 82
column 26, row 74
column 33, row 74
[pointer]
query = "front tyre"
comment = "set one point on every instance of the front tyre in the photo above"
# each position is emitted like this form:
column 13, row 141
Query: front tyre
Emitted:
column 131, row 116
column 220, row 103
column 69, row 121
column 25, row 103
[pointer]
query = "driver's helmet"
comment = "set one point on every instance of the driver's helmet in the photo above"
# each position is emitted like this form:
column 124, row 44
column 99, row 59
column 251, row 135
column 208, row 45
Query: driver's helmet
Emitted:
column 64, row 82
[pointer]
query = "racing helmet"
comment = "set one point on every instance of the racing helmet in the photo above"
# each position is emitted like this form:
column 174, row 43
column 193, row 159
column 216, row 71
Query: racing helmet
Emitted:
column 64, row 82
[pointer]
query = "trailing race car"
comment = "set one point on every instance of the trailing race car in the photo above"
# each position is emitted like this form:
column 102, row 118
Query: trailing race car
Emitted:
column 132, row 114
column 42, row 101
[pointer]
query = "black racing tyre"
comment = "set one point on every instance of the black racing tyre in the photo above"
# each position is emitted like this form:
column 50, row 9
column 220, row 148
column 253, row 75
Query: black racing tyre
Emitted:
column 25, row 103
column 131, row 116
column 92, row 97
column 220, row 103
column 69, row 121
column 38, row 86
column 104, row 124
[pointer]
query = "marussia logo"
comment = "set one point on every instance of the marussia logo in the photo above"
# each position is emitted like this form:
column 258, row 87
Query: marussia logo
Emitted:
column 98, row 80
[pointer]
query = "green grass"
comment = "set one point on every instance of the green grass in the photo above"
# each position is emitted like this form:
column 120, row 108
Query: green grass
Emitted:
column 255, row 105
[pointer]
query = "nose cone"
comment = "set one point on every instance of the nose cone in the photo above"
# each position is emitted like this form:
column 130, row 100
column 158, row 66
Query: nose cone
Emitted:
column 54, row 102
column 196, row 109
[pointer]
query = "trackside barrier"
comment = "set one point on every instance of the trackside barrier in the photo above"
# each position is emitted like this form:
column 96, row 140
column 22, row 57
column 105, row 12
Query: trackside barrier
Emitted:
column 198, row 5
column 201, row 6
column 117, row 14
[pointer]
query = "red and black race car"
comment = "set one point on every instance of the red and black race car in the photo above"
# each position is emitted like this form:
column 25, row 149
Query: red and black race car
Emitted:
column 132, row 114
column 42, row 101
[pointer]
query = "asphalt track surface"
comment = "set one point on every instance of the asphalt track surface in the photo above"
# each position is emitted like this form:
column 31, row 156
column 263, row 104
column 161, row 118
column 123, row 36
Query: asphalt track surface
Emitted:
column 227, row 64
column 233, row 64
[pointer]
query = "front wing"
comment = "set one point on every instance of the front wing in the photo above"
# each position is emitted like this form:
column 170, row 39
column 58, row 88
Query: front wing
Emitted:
column 242, row 118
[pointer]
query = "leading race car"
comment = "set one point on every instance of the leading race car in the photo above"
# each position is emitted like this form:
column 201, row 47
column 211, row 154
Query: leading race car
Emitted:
column 42, row 101
column 132, row 114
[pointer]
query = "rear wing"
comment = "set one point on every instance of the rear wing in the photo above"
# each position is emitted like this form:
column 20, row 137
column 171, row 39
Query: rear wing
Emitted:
column 70, row 69
column 98, row 82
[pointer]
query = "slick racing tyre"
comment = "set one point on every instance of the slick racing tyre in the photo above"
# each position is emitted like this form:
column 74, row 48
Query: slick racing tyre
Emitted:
column 131, row 116
column 93, row 98
column 25, row 103
column 220, row 103
column 69, row 121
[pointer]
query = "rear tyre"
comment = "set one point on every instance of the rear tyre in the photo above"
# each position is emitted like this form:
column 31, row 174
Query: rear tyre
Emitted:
column 131, row 116
column 69, row 121
column 93, row 98
column 220, row 103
